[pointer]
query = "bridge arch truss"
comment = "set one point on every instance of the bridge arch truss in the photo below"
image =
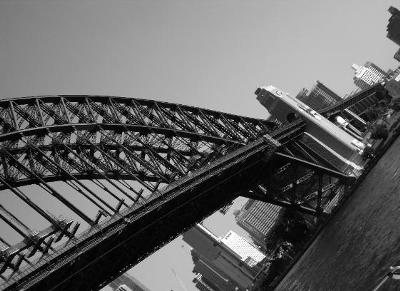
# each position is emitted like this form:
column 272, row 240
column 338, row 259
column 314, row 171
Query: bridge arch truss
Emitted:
column 122, row 157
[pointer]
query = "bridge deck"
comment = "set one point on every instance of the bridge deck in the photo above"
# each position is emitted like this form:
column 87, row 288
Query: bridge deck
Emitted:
column 127, row 238
column 354, row 251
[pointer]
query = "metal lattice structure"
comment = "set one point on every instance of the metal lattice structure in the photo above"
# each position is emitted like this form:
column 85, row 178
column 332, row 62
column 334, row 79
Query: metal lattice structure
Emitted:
column 110, row 163
column 99, row 144
column 157, row 138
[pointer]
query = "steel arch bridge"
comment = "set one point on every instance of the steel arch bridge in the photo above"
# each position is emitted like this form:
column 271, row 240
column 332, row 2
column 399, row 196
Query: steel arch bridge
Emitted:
column 127, row 175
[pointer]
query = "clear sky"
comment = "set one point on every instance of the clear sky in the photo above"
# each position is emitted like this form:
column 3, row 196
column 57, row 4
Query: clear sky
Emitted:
column 210, row 54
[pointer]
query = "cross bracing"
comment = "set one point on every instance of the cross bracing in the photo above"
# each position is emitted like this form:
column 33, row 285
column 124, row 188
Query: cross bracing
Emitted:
column 119, row 154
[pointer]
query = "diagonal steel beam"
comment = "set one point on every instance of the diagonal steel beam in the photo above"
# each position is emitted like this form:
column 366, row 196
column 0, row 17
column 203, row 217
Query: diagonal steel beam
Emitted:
column 316, row 167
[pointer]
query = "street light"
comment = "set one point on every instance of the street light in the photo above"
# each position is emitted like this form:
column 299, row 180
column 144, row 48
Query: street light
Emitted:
column 393, row 274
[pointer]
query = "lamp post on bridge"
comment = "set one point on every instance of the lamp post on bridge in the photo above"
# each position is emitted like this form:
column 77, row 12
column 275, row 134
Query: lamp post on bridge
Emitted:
column 393, row 274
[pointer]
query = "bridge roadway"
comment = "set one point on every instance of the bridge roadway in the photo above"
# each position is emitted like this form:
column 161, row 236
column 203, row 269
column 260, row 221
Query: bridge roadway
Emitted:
column 123, row 241
column 116, row 245
column 356, row 248
column 131, row 235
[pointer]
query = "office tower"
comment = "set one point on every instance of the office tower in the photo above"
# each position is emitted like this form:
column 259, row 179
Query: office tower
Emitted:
column 257, row 218
column 393, row 27
column 127, row 283
column 225, row 264
column 367, row 75
column 319, row 97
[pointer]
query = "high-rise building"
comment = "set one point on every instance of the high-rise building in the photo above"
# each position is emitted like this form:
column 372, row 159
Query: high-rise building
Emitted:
column 127, row 283
column 367, row 75
column 319, row 97
column 257, row 218
column 225, row 264
column 393, row 27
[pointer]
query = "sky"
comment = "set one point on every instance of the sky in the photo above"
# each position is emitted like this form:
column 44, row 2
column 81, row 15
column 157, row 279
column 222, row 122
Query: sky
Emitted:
column 210, row 54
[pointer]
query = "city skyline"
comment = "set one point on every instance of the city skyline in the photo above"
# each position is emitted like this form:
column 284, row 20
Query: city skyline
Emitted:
column 169, row 52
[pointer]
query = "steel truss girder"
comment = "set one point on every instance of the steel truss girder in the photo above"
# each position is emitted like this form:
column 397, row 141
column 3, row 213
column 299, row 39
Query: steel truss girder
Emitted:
column 177, row 208
column 300, row 180
column 374, row 93
column 140, row 161
column 298, row 184
column 63, row 111
column 73, row 138
column 53, row 156
column 317, row 167
column 355, row 107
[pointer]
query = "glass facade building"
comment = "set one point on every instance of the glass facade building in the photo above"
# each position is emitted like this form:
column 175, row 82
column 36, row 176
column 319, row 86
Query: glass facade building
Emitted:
column 367, row 75
column 319, row 97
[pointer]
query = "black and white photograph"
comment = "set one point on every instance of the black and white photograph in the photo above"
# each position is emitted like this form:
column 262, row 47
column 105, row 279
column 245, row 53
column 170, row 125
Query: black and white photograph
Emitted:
column 199, row 145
